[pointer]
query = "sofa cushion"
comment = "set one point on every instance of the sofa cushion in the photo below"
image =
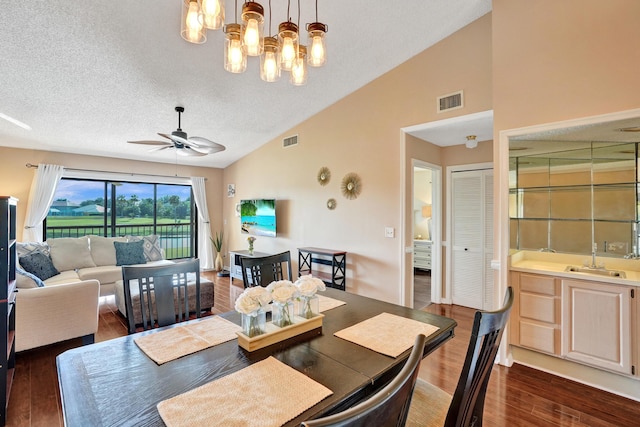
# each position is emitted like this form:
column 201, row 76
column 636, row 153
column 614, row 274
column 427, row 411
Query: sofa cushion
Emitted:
column 24, row 280
column 68, row 276
column 103, row 274
column 68, row 253
column 103, row 252
column 129, row 253
column 152, row 249
column 39, row 265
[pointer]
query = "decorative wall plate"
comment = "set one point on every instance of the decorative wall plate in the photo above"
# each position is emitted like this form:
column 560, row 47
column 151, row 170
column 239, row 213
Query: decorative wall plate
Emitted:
column 351, row 186
column 331, row 204
column 324, row 175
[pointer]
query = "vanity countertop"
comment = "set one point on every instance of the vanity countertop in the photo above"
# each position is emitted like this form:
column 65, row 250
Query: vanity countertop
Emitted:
column 555, row 264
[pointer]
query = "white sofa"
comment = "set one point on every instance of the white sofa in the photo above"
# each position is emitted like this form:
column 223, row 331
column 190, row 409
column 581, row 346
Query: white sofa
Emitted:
column 65, row 306
column 56, row 313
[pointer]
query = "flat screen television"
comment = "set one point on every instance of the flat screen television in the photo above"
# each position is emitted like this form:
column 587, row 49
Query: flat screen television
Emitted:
column 258, row 217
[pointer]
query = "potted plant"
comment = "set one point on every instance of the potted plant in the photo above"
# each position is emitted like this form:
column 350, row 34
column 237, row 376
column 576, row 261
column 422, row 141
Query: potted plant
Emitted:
column 217, row 244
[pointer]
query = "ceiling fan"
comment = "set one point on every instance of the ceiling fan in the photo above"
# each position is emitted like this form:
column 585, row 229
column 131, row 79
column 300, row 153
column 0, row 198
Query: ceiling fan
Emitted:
column 184, row 146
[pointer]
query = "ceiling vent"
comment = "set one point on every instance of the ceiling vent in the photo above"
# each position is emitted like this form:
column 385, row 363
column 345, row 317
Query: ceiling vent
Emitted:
column 290, row 141
column 452, row 101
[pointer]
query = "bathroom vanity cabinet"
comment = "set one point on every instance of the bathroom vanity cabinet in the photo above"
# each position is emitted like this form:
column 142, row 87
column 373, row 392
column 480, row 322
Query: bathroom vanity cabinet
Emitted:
column 591, row 322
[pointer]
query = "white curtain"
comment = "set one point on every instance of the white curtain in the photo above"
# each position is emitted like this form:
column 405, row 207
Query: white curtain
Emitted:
column 205, row 248
column 43, row 188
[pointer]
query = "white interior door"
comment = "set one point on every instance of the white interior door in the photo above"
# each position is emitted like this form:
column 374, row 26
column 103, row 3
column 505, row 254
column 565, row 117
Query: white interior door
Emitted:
column 471, row 238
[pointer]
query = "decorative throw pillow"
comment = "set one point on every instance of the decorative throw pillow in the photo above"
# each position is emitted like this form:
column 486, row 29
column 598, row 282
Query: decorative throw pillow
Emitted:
column 24, row 279
column 39, row 265
column 129, row 253
column 152, row 248
column 25, row 248
column 69, row 253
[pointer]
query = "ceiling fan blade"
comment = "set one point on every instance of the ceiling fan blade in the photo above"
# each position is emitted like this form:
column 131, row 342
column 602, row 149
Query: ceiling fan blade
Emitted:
column 166, row 147
column 186, row 151
column 203, row 144
column 147, row 142
column 174, row 138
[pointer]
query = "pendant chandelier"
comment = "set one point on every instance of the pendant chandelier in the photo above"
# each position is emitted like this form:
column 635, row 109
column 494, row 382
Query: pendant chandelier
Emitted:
column 283, row 51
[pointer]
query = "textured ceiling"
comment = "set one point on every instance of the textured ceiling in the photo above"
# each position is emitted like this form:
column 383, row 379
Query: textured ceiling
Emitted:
column 88, row 76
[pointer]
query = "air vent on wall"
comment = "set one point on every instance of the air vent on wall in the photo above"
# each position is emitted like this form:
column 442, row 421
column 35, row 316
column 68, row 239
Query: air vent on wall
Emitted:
column 450, row 101
column 290, row 141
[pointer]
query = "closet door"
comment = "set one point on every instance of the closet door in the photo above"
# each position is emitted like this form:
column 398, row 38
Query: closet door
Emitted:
column 471, row 238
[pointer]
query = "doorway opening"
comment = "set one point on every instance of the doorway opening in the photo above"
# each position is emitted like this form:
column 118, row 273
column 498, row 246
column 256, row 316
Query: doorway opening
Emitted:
column 425, row 232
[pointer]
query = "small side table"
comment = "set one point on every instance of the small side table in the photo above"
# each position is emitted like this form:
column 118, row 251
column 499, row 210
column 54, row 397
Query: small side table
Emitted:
column 308, row 256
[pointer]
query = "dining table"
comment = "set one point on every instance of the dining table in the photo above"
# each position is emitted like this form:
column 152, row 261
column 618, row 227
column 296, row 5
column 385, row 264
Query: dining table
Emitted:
column 114, row 383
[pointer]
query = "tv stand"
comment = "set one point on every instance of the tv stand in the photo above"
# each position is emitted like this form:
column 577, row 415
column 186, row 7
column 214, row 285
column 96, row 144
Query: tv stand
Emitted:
column 307, row 257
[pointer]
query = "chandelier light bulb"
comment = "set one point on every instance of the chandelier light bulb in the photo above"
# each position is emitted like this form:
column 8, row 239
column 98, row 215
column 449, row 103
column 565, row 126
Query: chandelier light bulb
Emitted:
column 270, row 61
column 235, row 54
column 318, row 52
column 288, row 53
column 235, row 60
column 288, row 40
column 299, row 67
column 213, row 11
column 252, row 28
column 193, row 23
column 252, row 38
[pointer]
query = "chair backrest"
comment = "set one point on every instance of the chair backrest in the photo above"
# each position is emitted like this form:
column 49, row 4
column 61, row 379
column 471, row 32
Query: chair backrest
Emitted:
column 467, row 403
column 163, row 293
column 387, row 407
column 260, row 271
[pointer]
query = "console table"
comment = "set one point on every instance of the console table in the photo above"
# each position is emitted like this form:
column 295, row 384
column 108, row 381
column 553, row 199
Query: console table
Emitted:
column 307, row 257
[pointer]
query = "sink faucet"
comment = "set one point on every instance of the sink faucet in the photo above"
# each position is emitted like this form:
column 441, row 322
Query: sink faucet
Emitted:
column 593, row 256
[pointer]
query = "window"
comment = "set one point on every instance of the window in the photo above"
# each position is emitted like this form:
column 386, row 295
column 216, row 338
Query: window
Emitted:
column 108, row 208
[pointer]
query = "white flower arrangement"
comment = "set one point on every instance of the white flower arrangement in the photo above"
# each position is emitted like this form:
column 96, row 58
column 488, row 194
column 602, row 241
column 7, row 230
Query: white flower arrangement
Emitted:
column 282, row 291
column 309, row 285
column 252, row 300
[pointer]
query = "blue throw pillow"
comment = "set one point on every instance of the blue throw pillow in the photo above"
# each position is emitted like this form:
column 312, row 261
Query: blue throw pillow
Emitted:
column 39, row 265
column 39, row 283
column 130, row 253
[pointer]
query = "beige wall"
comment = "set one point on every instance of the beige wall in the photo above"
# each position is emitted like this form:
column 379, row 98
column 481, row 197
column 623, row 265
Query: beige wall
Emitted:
column 554, row 61
column 15, row 178
column 361, row 134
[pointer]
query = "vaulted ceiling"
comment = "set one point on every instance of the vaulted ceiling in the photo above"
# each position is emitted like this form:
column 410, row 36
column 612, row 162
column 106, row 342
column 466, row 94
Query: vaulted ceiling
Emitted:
column 89, row 76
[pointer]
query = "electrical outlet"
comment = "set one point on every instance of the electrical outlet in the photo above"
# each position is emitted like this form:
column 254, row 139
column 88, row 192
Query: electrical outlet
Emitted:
column 389, row 232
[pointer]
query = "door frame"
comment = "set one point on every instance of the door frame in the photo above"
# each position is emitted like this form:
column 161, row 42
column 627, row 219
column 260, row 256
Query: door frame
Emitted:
column 436, row 231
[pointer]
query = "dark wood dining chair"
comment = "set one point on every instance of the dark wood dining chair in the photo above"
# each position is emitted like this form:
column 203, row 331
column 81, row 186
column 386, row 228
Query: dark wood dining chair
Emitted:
column 260, row 271
column 163, row 296
column 432, row 406
column 386, row 408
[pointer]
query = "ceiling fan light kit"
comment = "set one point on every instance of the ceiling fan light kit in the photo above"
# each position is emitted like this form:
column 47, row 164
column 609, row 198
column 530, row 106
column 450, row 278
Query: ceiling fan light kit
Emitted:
column 281, row 52
column 182, row 144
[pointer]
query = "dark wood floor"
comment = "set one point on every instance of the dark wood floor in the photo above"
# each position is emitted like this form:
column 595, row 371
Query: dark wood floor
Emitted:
column 421, row 288
column 517, row 396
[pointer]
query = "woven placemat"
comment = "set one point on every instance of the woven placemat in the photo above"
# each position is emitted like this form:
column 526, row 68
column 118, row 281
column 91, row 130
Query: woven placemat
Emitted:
column 327, row 303
column 267, row 393
column 173, row 343
column 386, row 333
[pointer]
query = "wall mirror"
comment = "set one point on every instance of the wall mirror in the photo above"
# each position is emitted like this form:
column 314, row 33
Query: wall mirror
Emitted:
column 574, row 189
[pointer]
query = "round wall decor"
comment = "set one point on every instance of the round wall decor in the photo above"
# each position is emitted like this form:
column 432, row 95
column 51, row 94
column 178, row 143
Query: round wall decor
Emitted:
column 324, row 175
column 331, row 204
column 351, row 186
